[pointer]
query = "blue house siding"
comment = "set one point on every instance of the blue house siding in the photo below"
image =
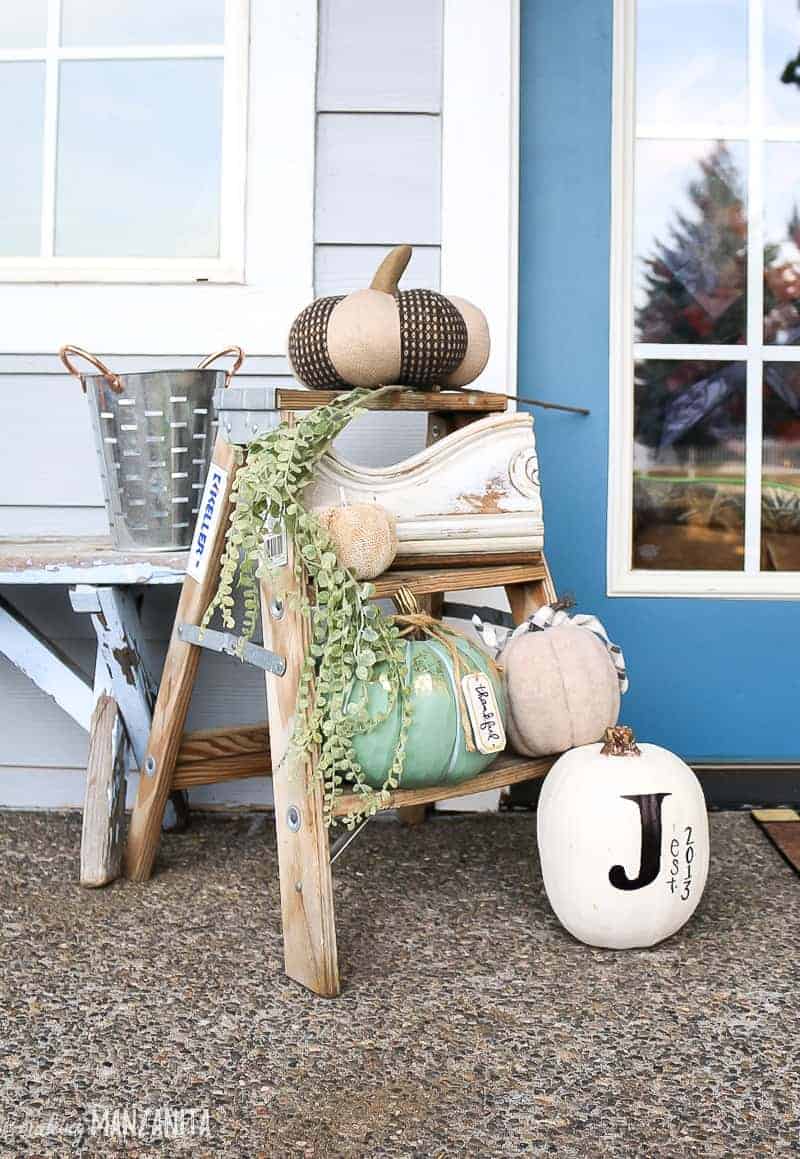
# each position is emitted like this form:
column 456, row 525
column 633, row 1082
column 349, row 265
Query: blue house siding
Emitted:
column 711, row 679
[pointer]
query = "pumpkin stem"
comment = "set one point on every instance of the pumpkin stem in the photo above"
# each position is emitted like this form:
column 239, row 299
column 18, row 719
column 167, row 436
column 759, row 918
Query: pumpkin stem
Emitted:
column 391, row 269
column 620, row 742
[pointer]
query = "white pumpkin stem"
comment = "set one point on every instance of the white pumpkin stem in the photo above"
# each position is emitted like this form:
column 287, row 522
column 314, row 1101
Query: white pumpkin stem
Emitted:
column 620, row 742
column 391, row 269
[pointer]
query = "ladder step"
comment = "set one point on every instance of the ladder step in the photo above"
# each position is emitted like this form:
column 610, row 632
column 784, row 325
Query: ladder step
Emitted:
column 456, row 579
column 212, row 755
column 506, row 770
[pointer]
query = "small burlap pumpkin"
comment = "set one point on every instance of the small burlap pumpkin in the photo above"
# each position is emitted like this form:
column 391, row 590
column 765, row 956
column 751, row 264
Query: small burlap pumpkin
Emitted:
column 562, row 688
column 364, row 536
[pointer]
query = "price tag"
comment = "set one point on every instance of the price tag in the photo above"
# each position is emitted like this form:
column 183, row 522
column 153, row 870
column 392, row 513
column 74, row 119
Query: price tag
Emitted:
column 484, row 715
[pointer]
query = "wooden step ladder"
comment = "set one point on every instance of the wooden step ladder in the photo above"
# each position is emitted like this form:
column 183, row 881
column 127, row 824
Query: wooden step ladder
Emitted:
column 174, row 760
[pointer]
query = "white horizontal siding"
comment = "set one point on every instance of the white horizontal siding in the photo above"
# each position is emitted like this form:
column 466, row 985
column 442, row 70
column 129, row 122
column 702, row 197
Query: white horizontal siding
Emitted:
column 378, row 178
column 380, row 55
column 29, row 787
column 52, row 520
column 339, row 269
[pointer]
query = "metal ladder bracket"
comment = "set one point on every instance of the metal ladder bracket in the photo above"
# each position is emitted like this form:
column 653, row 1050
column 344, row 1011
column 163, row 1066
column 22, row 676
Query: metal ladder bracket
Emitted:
column 231, row 645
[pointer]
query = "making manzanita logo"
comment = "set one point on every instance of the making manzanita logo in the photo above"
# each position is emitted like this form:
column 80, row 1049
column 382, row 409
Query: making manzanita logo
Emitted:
column 149, row 1124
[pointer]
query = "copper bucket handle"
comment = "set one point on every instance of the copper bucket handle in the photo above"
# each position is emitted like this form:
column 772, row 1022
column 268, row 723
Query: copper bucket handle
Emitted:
column 111, row 378
column 235, row 350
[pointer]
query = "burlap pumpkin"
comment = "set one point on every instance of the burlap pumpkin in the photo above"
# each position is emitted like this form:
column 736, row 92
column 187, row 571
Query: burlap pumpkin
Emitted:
column 364, row 537
column 562, row 688
column 383, row 335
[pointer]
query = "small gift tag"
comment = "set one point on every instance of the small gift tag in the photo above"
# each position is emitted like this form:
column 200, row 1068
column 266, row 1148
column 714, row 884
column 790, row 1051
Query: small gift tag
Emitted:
column 275, row 546
column 484, row 715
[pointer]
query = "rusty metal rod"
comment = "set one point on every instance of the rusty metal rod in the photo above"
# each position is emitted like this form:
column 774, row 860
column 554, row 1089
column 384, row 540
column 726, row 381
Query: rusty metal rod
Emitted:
column 580, row 410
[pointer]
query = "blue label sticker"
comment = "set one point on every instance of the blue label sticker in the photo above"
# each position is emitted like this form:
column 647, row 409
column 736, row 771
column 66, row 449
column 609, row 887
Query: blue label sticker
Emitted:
column 207, row 525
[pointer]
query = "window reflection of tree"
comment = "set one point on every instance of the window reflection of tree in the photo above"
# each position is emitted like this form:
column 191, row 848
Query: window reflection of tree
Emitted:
column 690, row 415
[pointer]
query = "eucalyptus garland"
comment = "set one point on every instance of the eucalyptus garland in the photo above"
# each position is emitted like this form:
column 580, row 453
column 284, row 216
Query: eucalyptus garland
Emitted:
column 350, row 638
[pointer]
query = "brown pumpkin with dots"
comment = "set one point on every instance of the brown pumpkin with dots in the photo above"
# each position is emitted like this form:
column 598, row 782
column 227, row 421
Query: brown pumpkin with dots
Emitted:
column 383, row 335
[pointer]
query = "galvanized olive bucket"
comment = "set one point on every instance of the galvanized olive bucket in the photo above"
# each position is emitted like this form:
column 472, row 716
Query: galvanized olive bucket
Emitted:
column 154, row 433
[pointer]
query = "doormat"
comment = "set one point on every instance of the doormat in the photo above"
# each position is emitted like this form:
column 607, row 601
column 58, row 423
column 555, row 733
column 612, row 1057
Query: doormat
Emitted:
column 782, row 826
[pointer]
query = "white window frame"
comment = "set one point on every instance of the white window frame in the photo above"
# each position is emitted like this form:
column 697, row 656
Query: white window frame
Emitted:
column 480, row 110
column 229, row 265
column 264, row 274
column 622, row 578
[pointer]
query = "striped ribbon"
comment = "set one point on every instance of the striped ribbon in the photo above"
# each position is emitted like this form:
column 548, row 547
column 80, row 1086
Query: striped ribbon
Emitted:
column 555, row 617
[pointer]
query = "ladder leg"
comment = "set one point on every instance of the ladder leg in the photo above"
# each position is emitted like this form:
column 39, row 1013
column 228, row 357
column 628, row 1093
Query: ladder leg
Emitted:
column 309, row 926
column 177, row 681
column 527, row 598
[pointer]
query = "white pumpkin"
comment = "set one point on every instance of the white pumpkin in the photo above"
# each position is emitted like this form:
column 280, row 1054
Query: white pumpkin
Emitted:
column 623, row 842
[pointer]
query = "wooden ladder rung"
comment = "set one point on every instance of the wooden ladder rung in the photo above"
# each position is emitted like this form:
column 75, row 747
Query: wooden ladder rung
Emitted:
column 506, row 770
column 454, row 579
column 222, row 754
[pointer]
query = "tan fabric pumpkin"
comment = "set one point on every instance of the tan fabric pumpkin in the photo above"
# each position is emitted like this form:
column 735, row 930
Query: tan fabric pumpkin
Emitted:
column 364, row 537
column 382, row 335
column 562, row 689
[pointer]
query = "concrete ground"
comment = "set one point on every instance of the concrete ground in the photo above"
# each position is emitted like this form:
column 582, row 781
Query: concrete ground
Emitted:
column 471, row 1024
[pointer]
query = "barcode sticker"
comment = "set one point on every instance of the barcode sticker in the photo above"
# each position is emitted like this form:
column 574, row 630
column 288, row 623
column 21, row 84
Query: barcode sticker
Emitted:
column 275, row 545
column 484, row 715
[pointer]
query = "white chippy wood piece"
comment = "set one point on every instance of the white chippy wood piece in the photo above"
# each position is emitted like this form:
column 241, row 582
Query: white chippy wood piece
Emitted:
column 104, row 794
column 84, row 560
column 120, row 646
column 475, row 490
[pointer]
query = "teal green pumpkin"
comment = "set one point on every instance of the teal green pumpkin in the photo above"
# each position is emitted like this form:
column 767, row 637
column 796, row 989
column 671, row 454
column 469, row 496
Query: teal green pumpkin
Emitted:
column 436, row 753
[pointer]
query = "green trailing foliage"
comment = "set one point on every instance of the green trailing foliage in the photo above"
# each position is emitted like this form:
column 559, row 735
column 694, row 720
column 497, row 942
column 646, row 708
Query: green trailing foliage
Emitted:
column 350, row 638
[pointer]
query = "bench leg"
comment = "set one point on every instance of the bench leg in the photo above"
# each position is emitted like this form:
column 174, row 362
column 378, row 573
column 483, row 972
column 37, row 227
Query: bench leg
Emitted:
column 309, row 925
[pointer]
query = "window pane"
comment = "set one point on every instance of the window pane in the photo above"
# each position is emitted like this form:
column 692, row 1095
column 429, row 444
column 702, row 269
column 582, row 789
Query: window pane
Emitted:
column 139, row 151
column 691, row 62
column 688, row 465
column 145, row 22
column 781, row 65
column 690, row 241
column 780, row 478
column 23, row 25
column 21, row 127
column 782, row 249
